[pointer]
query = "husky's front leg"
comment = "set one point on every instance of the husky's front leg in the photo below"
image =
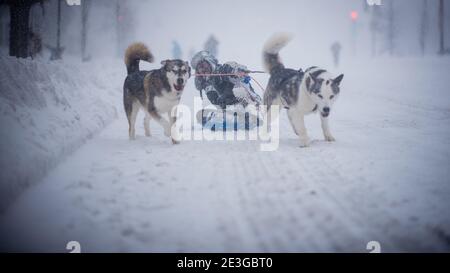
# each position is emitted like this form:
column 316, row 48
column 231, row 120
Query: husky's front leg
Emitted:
column 174, row 134
column 326, row 129
column 161, row 121
column 147, row 124
column 298, row 124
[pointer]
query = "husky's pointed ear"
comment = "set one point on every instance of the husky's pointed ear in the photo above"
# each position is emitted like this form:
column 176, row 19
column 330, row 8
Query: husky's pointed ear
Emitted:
column 309, row 82
column 188, row 68
column 165, row 64
column 338, row 79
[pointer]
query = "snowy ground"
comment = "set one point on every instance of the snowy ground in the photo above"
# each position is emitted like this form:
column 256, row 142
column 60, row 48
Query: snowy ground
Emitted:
column 47, row 111
column 386, row 178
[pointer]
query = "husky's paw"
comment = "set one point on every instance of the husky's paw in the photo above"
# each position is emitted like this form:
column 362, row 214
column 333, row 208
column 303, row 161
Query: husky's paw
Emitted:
column 175, row 141
column 304, row 145
column 304, row 142
column 148, row 134
column 329, row 138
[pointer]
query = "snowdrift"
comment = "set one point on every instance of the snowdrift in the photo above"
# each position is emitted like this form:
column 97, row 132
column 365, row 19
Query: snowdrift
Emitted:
column 47, row 110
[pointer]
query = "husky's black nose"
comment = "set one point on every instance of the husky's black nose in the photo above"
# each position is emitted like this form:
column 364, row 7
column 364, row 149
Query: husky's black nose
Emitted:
column 326, row 110
column 180, row 81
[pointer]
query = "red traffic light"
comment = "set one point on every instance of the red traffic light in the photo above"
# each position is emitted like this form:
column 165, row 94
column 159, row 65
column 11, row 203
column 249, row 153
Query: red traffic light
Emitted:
column 354, row 15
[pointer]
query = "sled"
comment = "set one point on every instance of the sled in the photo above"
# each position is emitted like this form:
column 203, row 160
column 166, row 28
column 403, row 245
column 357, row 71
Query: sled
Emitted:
column 221, row 120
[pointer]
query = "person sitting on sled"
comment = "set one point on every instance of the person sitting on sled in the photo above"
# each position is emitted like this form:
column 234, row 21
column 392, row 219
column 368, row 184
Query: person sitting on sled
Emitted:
column 232, row 91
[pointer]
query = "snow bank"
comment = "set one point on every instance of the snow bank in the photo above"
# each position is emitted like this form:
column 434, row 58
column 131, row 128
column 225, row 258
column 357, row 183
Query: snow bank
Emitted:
column 47, row 110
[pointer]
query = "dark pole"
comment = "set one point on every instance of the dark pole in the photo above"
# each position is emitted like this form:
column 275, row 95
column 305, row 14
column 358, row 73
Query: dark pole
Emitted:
column 391, row 28
column 373, row 30
column 423, row 27
column 1, row 26
column 441, row 27
column 84, row 15
column 58, row 33
column 19, row 29
column 57, row 51
column 118, row 19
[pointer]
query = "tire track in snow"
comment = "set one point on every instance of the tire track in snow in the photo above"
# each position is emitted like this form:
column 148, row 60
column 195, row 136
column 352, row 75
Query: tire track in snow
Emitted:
column 272, row 204
column 239, row 199
column 369, row 226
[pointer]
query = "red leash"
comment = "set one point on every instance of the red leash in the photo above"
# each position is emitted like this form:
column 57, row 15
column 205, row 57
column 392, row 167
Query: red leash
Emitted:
column 232, row 74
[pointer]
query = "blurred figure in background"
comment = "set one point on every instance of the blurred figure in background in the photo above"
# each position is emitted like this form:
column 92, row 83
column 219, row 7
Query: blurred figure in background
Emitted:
column 211, row 45
column 336, row 51
column 176, row 50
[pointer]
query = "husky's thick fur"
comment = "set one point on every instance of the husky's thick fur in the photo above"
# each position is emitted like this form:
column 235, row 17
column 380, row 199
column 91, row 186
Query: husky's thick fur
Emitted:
column 155, row 91
column 300, row 92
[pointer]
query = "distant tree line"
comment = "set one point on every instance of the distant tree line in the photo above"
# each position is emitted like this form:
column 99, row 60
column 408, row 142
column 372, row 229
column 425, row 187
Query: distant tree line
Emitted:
column 19, row 33
column 25, row 42
column 383, row 26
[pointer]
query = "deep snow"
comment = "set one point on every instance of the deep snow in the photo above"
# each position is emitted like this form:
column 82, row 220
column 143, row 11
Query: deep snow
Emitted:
column 386, row 178
column 48, row 110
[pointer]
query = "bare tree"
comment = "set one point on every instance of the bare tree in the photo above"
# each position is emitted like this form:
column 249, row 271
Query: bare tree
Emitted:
column 423, row 26
column 375, row 27
column 35, row 26
column 441, row 27
column 124, row 25
column 391, row 28
column 119, row 19
column 84, row 21
column 19, row 32
column 57, row 51
column 3, row 32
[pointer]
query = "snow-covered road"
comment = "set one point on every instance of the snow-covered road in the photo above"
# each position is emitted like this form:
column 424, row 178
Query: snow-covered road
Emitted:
column 385, row 179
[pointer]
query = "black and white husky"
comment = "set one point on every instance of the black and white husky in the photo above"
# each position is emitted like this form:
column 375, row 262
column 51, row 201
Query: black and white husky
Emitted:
column 300, row 92
column 155, row 91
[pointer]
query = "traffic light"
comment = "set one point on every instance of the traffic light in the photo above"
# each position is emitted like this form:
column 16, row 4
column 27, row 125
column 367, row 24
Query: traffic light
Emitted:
column 354, row 15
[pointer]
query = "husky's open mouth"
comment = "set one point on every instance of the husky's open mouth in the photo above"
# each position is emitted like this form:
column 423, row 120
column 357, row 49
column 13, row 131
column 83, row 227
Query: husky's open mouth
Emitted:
column 324, row 114
column 178, row 87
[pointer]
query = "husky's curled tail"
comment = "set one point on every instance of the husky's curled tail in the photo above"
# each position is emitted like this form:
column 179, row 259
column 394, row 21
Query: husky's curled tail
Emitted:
column 271, row 48
column 134, row 53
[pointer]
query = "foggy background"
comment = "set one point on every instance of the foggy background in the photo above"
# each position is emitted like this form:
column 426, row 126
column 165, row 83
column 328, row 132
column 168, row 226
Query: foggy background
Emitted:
column 69, row 171
column 241, row 27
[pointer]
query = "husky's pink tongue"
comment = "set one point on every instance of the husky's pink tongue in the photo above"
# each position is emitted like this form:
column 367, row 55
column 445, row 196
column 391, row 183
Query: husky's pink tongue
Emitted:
column 178, row 87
